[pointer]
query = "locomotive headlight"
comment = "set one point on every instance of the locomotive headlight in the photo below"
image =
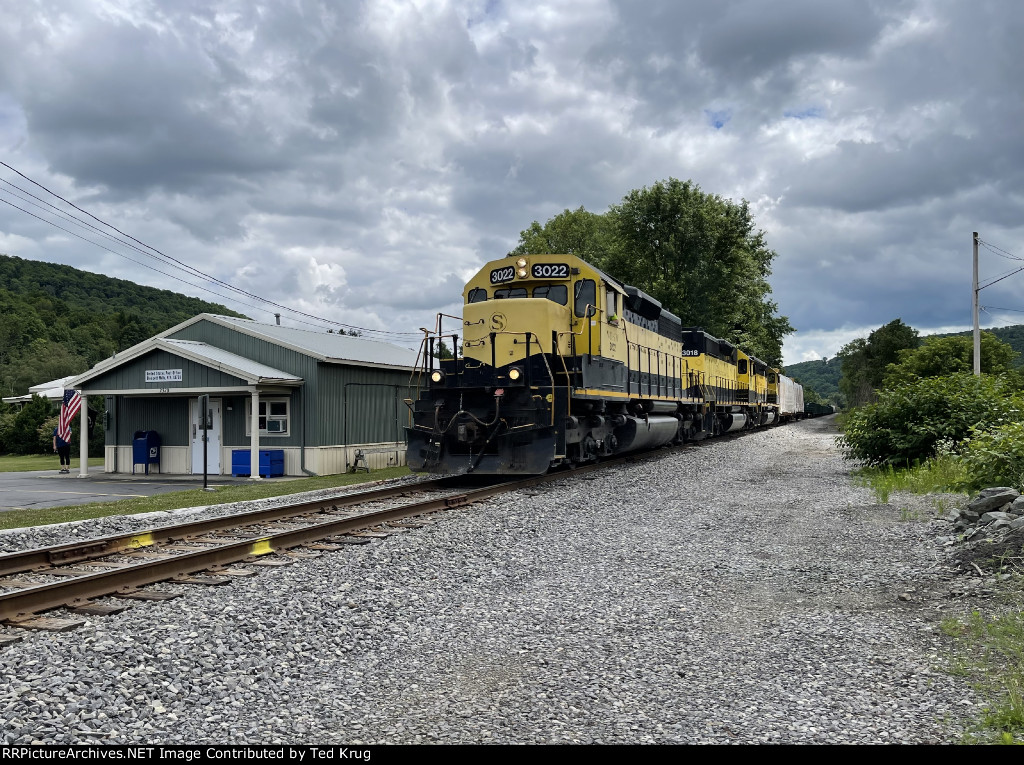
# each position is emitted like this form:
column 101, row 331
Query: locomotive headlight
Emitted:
column 436, row 376
column 514, row 374
column 522, row 273
column 521, row 263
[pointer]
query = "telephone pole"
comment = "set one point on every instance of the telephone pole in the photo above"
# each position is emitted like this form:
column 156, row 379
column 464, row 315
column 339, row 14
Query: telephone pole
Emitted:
column 974, row 307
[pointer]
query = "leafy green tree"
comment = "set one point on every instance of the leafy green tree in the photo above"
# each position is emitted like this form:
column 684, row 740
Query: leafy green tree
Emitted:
column 697, row 253
column 20, row 432
column 864, row 361
column 572, row 232
column 939, row 356
column 703, row 258
column 909, row 422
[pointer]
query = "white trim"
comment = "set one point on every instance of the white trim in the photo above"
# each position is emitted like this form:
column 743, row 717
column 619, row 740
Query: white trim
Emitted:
column 264, row 399
column 353, row 363
column 173, row 392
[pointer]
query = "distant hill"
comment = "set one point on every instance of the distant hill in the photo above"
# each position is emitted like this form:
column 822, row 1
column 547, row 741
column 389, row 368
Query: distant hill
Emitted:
column 823, row 377
column 1013, row 336
column 56, row 320
column 820, row 376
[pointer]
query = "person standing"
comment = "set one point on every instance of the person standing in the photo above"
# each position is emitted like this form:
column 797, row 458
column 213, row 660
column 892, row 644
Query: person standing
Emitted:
column 63, row 449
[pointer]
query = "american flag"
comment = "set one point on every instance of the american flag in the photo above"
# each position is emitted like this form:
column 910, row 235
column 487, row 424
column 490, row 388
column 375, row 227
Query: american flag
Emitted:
column 69, row 407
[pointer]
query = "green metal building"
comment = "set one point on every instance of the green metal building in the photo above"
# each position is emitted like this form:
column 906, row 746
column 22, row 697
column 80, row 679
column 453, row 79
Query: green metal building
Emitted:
column 302, row 400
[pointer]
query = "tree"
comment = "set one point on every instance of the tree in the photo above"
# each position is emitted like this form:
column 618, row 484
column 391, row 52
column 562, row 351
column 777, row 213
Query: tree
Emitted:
column 703, row 258
column 572, row 232
column 864, row 361
column 699, row 254
column 19, row 431
column 911, row 422
column 939, row 356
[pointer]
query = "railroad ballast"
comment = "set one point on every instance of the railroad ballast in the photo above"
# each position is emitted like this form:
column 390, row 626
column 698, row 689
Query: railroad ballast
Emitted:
column 562, row 364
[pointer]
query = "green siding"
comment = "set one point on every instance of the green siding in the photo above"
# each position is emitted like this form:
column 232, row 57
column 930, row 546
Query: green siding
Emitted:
column 132, row 376
column 168, row 416
column 235, row 423
column 337, row 403
column 362, row 405
column 273, row 356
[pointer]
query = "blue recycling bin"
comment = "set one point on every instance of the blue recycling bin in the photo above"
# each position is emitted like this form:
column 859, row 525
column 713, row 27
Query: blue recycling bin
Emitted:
column 146, row 449
column 271, row 462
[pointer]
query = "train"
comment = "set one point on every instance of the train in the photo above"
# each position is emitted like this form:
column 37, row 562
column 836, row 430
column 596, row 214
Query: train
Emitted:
column 554, row 362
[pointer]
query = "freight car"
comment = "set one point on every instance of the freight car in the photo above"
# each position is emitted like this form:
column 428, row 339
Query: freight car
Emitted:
column 818, row 410
column 560, row 363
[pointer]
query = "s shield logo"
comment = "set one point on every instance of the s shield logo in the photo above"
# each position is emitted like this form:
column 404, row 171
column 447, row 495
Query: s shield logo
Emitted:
column 498, row 322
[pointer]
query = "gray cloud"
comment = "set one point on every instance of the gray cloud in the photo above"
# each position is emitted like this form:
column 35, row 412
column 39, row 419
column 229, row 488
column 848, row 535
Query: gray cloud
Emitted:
column 359, row 161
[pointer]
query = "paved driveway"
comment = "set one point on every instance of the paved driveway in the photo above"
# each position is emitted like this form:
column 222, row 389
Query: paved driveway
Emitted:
column 48, row 488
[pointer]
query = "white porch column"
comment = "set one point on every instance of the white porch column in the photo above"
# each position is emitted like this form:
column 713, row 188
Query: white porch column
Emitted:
column 254, row 442
column 83, row 441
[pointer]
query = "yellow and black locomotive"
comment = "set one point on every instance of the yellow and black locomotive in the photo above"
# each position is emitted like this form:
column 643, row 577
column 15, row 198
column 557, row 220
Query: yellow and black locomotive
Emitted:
column 562, row 364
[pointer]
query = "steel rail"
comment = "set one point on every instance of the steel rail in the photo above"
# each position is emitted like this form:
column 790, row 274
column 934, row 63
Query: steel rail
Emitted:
column 99, row 547
column 27, row 603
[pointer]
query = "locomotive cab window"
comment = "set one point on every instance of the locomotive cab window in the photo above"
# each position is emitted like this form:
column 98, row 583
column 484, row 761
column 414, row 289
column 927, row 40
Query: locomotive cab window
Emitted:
column 742, row 366
column 585, row 294
column 477, row 295
column 558, row 293
column 510, row 292
column 611, row 310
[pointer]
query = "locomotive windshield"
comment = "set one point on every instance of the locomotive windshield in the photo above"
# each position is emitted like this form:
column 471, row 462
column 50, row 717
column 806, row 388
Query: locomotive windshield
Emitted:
column 558, row 293
column 510, row 292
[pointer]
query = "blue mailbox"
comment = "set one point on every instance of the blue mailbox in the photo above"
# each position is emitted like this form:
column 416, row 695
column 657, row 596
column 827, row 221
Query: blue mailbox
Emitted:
column 146, row 449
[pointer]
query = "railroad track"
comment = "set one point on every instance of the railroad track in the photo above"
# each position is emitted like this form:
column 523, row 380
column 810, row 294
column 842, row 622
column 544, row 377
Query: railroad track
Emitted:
column 85, row 576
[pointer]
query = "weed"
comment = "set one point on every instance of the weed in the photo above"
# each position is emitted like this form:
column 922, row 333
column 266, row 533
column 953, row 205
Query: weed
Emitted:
column 945, row 473
column 909, row 514
column 991, row 651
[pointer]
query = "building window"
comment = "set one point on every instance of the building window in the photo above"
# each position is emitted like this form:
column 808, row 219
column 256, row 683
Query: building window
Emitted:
column 273, row 415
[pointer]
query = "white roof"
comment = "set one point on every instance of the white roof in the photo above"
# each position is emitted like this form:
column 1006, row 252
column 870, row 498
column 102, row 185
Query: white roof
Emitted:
column 239, row 366
column 52, row 390
column 324, row 346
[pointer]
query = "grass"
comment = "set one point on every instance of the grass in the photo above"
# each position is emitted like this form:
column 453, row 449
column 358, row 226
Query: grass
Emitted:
column 936, row 476
column 991, row 652
column 20, row 463
column 192, row 497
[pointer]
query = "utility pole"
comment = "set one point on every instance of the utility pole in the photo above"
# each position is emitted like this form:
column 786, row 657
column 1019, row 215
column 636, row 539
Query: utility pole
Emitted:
column 974, row 308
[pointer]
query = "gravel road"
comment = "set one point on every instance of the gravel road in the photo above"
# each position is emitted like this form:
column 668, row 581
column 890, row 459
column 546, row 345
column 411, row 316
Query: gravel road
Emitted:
column 741, row 591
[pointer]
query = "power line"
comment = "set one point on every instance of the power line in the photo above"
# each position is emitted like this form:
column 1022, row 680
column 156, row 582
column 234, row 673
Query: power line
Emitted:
column 1005, row 276
column 174, row 262
column 132, row 260
column 999, row 250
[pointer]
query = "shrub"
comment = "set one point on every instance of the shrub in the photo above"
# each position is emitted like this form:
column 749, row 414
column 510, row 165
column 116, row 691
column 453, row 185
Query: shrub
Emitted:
column 908, row 422
column 996, row 457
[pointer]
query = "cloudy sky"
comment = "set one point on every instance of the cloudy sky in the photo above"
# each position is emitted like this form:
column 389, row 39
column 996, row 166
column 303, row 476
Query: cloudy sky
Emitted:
column 358, row 161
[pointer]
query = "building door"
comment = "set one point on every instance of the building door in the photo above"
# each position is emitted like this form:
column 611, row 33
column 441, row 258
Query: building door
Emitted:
column 213, row 424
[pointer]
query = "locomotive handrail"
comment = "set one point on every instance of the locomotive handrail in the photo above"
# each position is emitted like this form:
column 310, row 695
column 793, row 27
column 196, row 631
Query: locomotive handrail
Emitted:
column 551, row 377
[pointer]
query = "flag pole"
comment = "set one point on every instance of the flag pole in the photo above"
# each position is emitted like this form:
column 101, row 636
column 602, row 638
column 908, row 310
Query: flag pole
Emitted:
column 83, row 441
